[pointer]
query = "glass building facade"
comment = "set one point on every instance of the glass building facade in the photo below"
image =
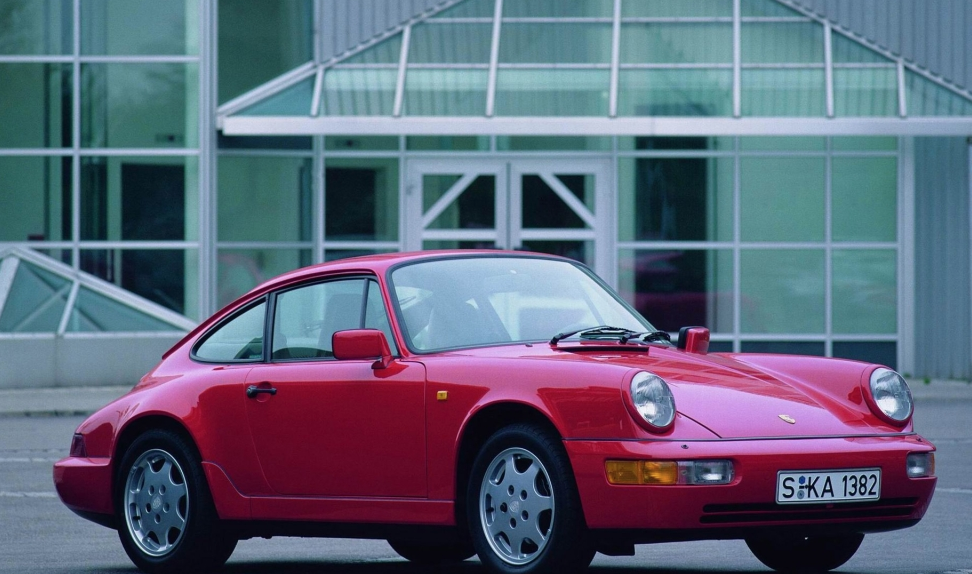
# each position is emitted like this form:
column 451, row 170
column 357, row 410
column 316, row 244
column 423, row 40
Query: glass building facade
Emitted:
column 739, row 164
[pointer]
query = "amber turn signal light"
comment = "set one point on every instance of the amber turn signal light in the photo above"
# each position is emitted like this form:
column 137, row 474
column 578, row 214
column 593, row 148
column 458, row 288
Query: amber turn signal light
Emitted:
column 641, row 471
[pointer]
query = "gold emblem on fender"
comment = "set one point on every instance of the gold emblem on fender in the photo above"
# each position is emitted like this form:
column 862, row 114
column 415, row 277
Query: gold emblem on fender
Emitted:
column 788, row 419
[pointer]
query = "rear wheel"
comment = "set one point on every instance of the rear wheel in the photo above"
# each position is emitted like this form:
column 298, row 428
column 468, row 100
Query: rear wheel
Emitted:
column 167, row 520
column 432, row 552
column 523, row 508
column 805, row 554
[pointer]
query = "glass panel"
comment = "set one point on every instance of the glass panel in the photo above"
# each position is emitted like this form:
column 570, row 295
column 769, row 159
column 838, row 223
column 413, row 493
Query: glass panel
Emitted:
column 240, row 270
column 239, row 339
column 720, row 346
column 782, row 43
column 35, row 302
column 666, row 43
column 169, row 277
column 265, row 198
column 93, row 312
column 293, row 101
column 675, row 143
column 847, row 50
column 376, row 315
column 552, row 92
column 866, row 92
column 361, row 143
column 35, row 193
column 450, row 44
column 783, row 93
column 879, row 352
column 865, row 143
column 139, row 198
column 359, row 92
column 675, row 93
column 784, row 347
column 926, row 98
column 305, row 319
column 386, row 52
column 864, row 202
column 335, row 254
column 683, row 199
column 543, row 209
column 36, row 110
column 782, row 198
column 865, row 291
column 475, row 208
column 361, row 199
column 35, row 27
column 676, row 288
column 470, row 9
column 139, row 27
column 447, row 143
column 553, row 143
column 582, row 251
column 455, row 244
column 259, row 40
column 264, row 142
column 782, row 143
column 769, row 8
column 558, row 8
column 560, row 43
column 676, row 8
column 139, row 105
column 782, row 290
column 445, row 92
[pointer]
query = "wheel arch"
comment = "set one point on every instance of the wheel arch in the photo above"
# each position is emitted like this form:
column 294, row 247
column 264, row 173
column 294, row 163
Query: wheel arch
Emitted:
column 135, row 428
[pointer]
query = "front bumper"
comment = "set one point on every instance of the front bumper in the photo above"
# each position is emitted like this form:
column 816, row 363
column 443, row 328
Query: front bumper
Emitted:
column 747, row 506
column 84, row 485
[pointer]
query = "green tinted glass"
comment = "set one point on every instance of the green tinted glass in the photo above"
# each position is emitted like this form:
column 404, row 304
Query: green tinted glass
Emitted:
column 765, row 8
column 93, row 312
column 865, row 291
column 847, row 50
column 553, row 143
column 35, row 27
column 782, row 290
column 361, row 199
column 239, row 270
column 783, row 92
column 470, row 9
column 293, row 101
column 552, row 92
column 558, row 8
column 168, row 277
column 864, row 202
column 361, row 143
column 926, row 98
column 139, row 27
column 35, row 302
column 385, row 52
column 676, row 8
column 445, row 92
column 676, row 43
column 782, row 143
column 675, row 93
column 447, row 143
column 36, row 199
column 264, row 199
column 865, row 143
column 450, row 44
column 560, row 43
column 865, row 92
column 356, row 92
column 782, row 198
column 782, row 43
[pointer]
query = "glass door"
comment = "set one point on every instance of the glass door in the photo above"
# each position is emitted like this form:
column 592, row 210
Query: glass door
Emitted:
column 557, row 206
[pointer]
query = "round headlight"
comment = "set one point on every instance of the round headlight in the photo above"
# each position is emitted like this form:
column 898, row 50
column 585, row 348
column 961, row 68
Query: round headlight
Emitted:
column 653, row 399
column 891, row 395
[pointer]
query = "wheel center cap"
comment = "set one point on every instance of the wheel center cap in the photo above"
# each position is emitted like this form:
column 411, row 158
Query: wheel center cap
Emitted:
column 156, row 503
column 514, row 506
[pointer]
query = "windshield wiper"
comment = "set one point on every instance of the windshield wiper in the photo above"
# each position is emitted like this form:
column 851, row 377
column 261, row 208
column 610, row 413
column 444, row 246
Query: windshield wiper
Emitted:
column 649, row 337
column 624, row 334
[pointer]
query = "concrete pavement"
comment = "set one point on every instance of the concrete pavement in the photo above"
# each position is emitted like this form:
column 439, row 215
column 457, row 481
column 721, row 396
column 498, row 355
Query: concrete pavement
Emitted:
column 72, row 401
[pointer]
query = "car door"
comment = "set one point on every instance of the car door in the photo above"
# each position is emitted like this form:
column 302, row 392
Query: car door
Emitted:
column 330, row 427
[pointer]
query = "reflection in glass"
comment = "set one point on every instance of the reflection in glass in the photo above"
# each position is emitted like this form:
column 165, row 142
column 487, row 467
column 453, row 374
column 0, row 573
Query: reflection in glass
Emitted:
column 139, row 105
column 450, row 44
column 675, row 93
column 676, row 8
column 35, row 105
column 35, row 195
column 864, row 198
column 361, row 143
column 557, row 8
column 475, row 208
column 552, row 92
column 553, row 143
column 239, row 270
column 361, row 199
column 866, row 92
column 139, row 27
column 447, row 143
column 582, row 251
column 926, row 98
column 293, row 101
column 878, row 352
column 35, row 302
column 675, row 199
column 356, row 92
column 139, row 198
column 168, row 277
column 846, row 50
column 560, row 43
column 264, row 198
column 782, row 290
column 35, row 27
column 676, row 43
column 445, row 92
column 782, row 43
column 782, row 198
column 93, row 313
column 542, row 208
column 676, row 288
column 865, row 291
column 783, row 92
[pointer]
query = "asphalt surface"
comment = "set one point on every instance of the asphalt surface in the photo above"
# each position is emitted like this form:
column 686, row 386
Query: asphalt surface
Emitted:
column 38, row 534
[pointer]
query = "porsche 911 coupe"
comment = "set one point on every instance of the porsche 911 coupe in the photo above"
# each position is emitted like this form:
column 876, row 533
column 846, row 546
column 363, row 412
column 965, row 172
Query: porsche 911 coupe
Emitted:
column 498, row 404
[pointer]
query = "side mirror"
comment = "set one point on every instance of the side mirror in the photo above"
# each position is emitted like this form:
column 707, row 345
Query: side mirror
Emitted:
column 694, row 340
column 357, row 344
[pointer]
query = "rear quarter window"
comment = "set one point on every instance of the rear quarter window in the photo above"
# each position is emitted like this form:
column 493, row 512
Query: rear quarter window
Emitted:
column 239, row 339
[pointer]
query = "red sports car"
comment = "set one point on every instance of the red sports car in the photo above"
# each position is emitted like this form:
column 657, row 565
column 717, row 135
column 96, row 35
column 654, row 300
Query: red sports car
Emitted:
column 508, row 405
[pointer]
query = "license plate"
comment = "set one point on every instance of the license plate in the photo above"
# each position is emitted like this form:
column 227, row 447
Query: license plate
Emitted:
column 803, row 487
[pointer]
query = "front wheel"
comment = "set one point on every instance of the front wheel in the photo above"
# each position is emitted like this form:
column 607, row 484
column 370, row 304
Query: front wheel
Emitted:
column 523, row 508
column 805, row 554
column 167, row 520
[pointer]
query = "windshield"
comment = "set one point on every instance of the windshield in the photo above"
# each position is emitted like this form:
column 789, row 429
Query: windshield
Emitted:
column 449, row 303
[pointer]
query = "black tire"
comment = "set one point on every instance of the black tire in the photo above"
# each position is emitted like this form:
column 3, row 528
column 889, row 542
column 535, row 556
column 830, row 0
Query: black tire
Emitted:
column 495, row 500
column 805, row 554
column 187, row 535
column 431, row 553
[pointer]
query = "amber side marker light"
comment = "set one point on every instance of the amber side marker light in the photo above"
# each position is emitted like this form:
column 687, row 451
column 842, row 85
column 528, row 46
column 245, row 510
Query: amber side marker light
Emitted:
column 663, row 472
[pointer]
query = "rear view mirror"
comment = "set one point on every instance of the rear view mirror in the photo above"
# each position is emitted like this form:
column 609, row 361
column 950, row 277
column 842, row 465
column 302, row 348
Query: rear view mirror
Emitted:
column 358, row 344
column 694, row 340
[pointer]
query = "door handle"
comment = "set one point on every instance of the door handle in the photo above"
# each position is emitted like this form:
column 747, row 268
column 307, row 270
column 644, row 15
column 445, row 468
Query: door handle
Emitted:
column 252, row 391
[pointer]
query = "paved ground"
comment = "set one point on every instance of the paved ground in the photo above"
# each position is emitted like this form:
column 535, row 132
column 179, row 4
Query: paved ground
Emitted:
column 38, row 534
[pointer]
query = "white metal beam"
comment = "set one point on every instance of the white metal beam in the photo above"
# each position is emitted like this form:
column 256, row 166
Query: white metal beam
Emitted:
column 493, row 58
